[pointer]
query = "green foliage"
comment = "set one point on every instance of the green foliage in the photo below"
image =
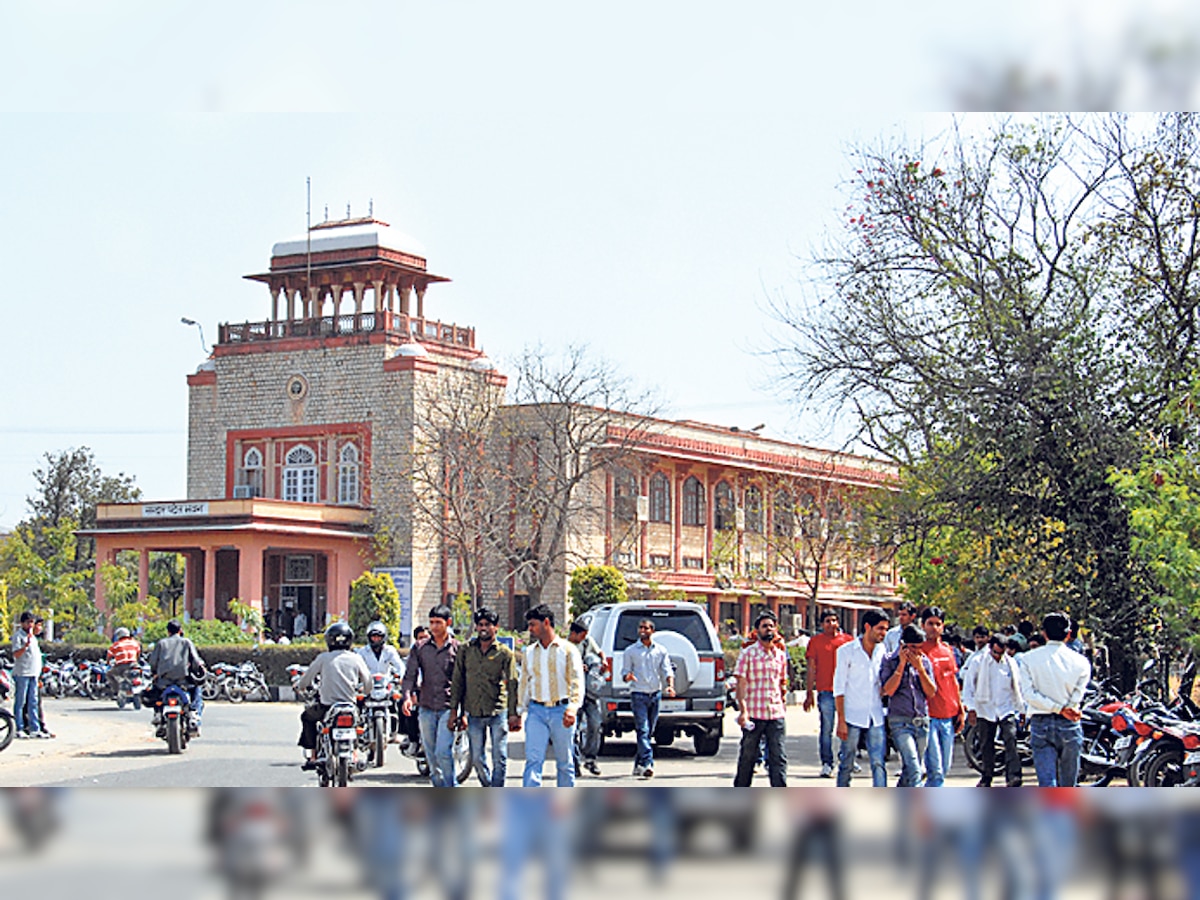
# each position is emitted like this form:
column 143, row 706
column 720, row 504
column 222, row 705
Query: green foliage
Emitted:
column 136, row 614
column 50, row 582
column 5, row 620
column 203, row 632
column 373, row 597
column 594, row 586
column 249, row 618
column 85, row 637
column 461, row 613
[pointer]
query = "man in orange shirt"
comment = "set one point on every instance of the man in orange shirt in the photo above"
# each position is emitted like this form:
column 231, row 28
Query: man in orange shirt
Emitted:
column 821, row 656
column 122, row 656
column 945, row 708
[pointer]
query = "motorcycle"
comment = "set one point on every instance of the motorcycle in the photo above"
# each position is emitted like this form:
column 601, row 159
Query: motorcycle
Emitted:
column 337, row 745
column 130, row 687
column 49, row 683
column 247, row 680
column 95, row 681
column 377, row 709
column 295, row 673
column 174, row 718
column 216, row 685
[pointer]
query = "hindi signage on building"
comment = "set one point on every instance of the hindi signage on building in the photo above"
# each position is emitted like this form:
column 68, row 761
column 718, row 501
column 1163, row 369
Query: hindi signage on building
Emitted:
column 173, row 510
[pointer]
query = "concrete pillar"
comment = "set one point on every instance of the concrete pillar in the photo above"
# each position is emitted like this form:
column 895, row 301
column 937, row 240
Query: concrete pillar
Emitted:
column 337, row 599
column 210, row 582
column 377, row 290
column 421, row 302
column 250, row 572
column 313, row 309
column 359, row 287
column 274, row 305
column 744, row 607
column 404, row 291
column 143, row 575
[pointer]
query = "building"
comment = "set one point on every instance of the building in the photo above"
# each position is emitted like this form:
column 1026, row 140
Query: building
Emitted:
column 305, row 431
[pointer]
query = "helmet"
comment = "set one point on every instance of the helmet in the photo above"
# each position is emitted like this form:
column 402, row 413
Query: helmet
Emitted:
column 339, row 636
column 120, row 634
column 377, row 628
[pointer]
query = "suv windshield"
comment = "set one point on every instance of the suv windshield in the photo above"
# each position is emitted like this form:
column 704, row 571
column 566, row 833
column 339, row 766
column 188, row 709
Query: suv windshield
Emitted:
column 687, row 622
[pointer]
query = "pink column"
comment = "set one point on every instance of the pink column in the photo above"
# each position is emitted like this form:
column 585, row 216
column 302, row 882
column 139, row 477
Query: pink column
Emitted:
column 250, row 571
column 143, row 575
column 210, row 582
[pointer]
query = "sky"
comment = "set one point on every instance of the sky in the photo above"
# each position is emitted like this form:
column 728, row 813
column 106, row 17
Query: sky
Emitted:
column 642, row 178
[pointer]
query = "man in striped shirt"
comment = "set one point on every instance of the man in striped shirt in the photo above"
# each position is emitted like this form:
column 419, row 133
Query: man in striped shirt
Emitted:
column 551, row 694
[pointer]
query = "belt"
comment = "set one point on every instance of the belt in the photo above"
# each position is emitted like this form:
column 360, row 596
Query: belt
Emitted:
column 1049, row 716
column 555, row 703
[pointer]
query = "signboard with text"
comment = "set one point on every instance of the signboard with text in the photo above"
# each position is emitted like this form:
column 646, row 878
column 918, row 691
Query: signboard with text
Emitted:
column 402, row 577
column 173, row 510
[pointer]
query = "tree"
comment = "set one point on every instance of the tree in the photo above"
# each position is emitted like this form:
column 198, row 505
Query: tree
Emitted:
column 374, row 598
column 596, row 585
column 509, row 488
column 999, row 316
column 50, row 584
column 70, row 485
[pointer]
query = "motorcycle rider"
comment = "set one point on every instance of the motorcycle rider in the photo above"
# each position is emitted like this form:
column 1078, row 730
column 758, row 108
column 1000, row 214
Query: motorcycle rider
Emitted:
column 175, row 660
column 122, row 656
column 344, row 674
column 379, row 655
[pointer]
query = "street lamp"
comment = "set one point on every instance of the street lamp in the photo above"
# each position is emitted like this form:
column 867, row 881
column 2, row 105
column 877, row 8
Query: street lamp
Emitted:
column 184, row 320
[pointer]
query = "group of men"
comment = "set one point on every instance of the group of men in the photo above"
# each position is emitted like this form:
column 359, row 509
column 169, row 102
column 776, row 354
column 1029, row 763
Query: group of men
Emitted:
column 27, row 668
column 483, row 687
column 904, row 683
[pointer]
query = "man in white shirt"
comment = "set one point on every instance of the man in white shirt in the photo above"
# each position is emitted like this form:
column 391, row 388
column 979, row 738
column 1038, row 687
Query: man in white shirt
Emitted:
column 857, row 695
column 1053, row 681
column 992, row 698
column 906, row 614
column 551, row 694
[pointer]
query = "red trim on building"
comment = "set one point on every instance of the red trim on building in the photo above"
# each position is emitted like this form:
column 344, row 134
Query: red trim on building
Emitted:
column 410, row 364
column 315, row 436
column 208, row 376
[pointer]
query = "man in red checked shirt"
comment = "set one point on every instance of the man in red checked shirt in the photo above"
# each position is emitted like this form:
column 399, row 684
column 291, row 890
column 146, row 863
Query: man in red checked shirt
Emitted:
column 122, row 655
column 762, row 670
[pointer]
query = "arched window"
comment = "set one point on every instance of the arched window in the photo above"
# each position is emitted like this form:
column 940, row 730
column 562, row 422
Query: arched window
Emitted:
column 785, row 514
column 754, row 510
column 723, row 507
column 250, row 483
column 625, row 494
column 300, row 475
column 660, row 498
column 348, row 475
column 693, row 502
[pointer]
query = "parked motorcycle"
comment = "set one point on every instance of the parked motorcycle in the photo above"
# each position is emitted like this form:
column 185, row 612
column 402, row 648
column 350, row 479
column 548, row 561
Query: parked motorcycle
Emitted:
column 216, row 685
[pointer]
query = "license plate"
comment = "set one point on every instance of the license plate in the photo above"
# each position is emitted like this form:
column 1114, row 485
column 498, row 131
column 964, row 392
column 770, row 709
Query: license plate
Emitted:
column 672, row 706
column 1123, row 741
column 344, row 734
column 1192, row 758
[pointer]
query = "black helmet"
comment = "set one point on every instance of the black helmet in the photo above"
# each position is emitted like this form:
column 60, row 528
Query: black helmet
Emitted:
column 339, row 636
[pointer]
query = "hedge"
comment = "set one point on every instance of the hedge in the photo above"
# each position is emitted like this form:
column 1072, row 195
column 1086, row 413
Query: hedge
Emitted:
column 273, row 659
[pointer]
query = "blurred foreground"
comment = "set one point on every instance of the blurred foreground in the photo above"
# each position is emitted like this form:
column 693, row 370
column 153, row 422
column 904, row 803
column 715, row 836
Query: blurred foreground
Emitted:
column 659, row 843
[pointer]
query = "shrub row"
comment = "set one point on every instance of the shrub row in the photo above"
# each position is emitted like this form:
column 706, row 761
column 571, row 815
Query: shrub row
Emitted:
column 273, row 659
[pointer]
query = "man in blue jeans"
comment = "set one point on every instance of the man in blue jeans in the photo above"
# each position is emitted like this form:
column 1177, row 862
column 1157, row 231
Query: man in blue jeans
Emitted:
column 27, row 668
column 821, row 656
column 1053, row 681
column 433, row 662
column 647, row 670
column 484, row 697
column 907, row 677
column 551, row 694
column 857, row 692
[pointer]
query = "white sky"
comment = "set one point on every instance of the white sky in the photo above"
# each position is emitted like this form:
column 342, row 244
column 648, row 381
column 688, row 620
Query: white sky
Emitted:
column 637, row 176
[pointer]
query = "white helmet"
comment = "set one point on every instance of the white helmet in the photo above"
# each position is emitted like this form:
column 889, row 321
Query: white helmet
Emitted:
column 120, row 634
column 377, row 628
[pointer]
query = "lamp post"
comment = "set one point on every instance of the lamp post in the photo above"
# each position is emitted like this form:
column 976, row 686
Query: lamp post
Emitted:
column 184, row 320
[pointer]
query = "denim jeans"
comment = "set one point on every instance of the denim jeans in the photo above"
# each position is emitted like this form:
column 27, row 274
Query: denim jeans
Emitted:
column 910, row 737
column 437, row 740
column 1056, row 745
column 939, row 753
column 876, row 750
column 543, row 727
column 478, row 730
column 25, row 703
column 827, row 709
column 645, row 719
column 772, row 730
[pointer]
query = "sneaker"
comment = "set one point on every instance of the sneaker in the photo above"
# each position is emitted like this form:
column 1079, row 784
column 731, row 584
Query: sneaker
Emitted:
column 857, row 767
column 23, row 735
column 592, row 767
column 638, row 771
column 648, row 772
column 43, row 735
column 826, row 771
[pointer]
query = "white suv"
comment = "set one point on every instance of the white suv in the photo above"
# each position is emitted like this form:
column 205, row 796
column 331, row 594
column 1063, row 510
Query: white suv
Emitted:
column 688, row 635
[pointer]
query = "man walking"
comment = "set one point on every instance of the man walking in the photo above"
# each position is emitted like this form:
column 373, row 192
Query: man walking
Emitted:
column 551, row 694
column 647, row 670
column 593, row 683
column 483, row 697
column 857, row 695
column 907, row 677
column 433, row 662
column 762, row 677
column 906, row 614
column 1053, row 681
column 945, row 708
column 28, row 666
column 993, row 700
column 822, row 660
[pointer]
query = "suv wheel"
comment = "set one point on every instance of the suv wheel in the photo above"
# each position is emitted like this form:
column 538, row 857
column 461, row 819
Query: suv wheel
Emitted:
column 707, row 744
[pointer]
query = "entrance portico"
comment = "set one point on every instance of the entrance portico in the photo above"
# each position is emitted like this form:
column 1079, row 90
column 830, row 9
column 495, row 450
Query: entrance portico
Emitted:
column 282, row 558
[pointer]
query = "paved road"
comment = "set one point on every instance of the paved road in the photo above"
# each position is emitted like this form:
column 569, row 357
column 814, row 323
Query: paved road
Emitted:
column 254, row 744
